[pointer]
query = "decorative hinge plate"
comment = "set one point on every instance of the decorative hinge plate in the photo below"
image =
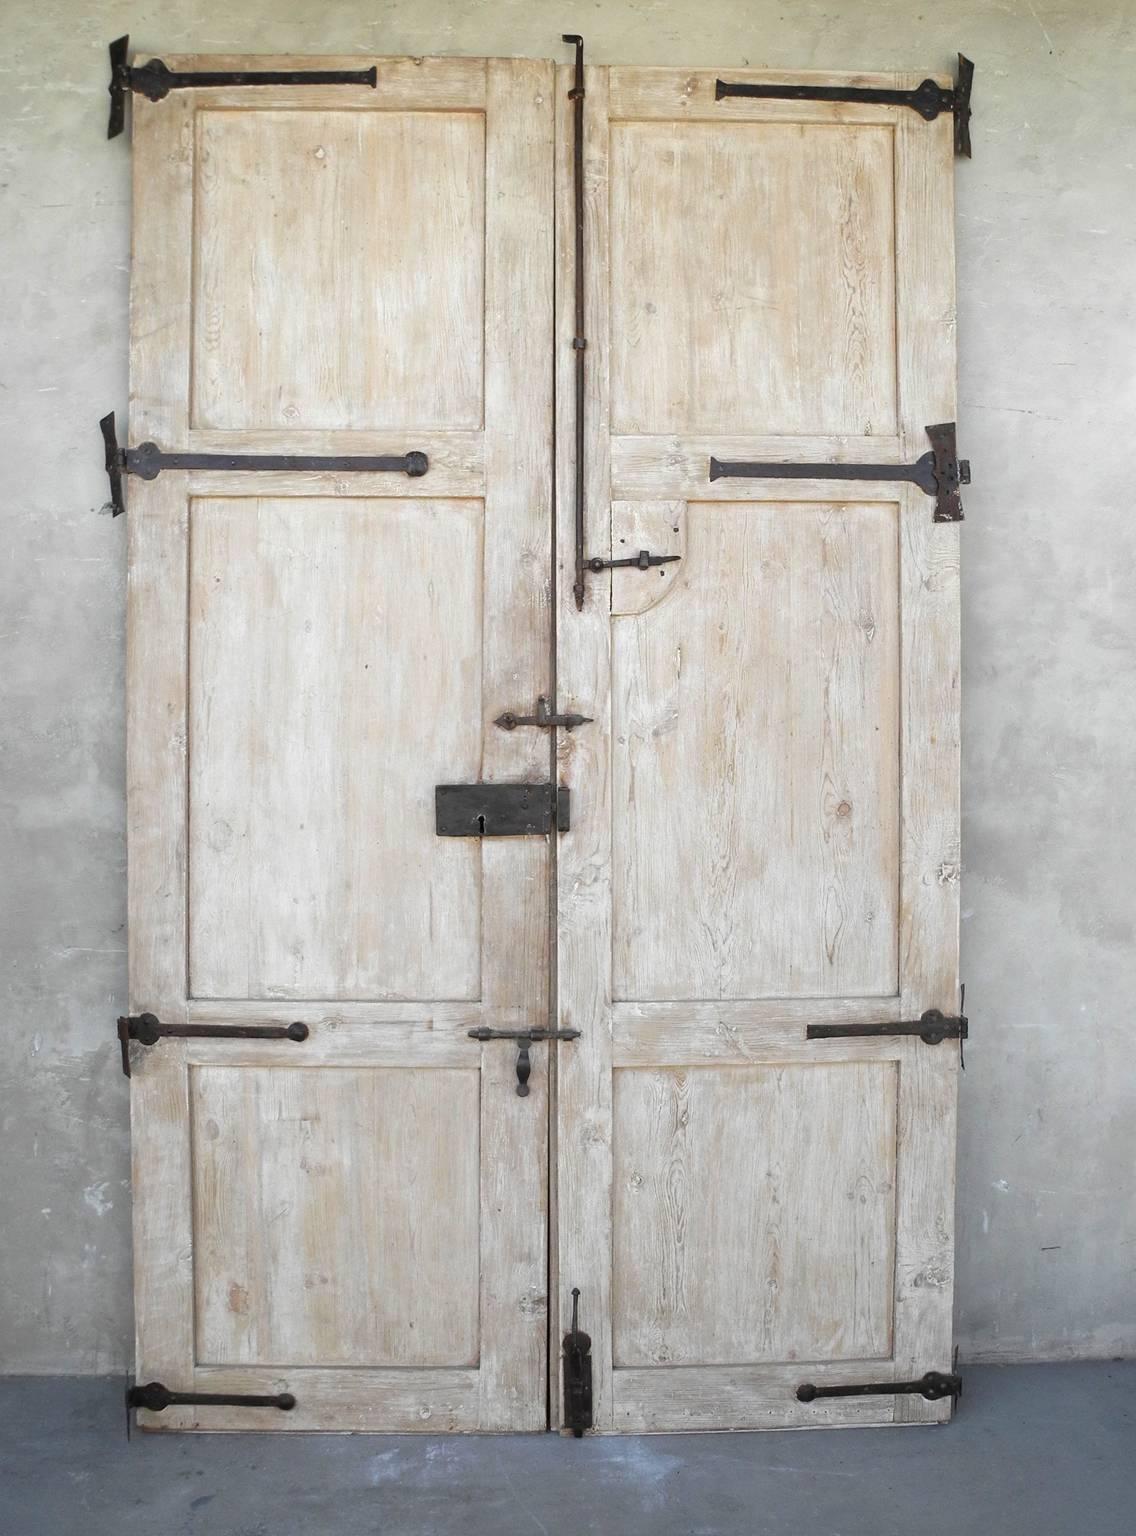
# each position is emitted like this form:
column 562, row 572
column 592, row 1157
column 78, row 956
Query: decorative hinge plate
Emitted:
column 932, row 1027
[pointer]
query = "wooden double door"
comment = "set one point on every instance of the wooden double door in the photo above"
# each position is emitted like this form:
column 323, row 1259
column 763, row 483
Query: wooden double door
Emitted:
column 369, row 1226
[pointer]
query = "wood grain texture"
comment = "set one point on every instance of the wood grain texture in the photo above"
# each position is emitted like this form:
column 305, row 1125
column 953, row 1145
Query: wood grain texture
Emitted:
column 335, row 1215
column 515, row 648
column 389, row 333
column 334, row 681
column 793, row 675
column 754, row 270
column 362, row 1211
column 754, row 1214
column 755, row 733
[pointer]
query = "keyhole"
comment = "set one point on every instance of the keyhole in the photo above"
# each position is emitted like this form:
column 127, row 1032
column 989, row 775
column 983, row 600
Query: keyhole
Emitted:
column 481, row 826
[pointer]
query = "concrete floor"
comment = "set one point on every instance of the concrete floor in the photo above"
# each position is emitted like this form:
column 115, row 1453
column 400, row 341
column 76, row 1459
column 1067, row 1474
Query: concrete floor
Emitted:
column 1046, row 1450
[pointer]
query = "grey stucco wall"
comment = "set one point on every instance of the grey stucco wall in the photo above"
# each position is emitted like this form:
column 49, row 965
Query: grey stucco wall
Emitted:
column 1047, row 281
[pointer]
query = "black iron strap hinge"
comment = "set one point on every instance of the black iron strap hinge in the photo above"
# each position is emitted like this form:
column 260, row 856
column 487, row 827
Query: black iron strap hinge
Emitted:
column 148, row 1029
column 934, row 1386
column 939, row 472
column 524, row 1038
column 148, row 460
column 155, row 81
column 155, row 1397
column 928, row 98
column 642, row 561
column 544, row 719
column 501, row 810
column 577, row 1374
column 932, row 1027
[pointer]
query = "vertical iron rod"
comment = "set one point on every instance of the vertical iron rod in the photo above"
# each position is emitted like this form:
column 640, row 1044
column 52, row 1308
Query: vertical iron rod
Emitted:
column 579, row 343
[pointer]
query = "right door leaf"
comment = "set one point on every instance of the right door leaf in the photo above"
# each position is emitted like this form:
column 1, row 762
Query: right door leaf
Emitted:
column 766, row 823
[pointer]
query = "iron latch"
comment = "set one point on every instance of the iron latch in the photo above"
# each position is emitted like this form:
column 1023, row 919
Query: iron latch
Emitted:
column 577, row 1373
column 544, row 719
column 501, row 810
column 148, row 1029
column 147, row 461
column 939, row 472
column 642, row 561
column 928, row 98
column 933, row 1386
column 524, row 1038
column 932, row 1027
column 155, row 80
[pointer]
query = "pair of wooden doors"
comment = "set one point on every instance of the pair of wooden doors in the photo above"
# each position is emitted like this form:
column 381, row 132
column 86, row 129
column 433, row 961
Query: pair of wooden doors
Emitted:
column 369, row 1227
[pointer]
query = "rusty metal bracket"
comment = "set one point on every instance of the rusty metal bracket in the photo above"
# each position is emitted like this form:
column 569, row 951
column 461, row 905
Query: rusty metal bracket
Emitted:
column 939, row 472
column 148, row 1029
column 928, row 98
column 155, row 80
column 147, row 461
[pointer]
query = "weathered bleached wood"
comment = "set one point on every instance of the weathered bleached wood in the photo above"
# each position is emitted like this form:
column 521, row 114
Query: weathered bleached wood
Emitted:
column 335, row 1215
column 679, row 466
column 754, row 1214
column 767, row 795
column 514, row 650
column 402, row 1400
column 658, row 527
column 659, row 1401
column 160, row 1179
column 315, row 870
column 755, row 273
column 366, row 1205
column 389, row 333
column 755, row 850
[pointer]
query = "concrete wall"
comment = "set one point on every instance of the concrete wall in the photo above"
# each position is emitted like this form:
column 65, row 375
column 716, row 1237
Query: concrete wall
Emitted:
column 1047, row 283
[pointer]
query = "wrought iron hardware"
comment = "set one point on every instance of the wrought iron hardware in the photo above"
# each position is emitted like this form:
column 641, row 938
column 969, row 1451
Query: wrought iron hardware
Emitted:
column 148, row 1029
column 148, row 460
column 933, row 1386
column 577, row 1374
column 543, row 719
column 939, row 472
column 155, row 81
column 579, row 341
column 501, row 810
column 928, row 99
column 524, row 1038
column 932, row 1027
column 642, row 561
column 156, row 1398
